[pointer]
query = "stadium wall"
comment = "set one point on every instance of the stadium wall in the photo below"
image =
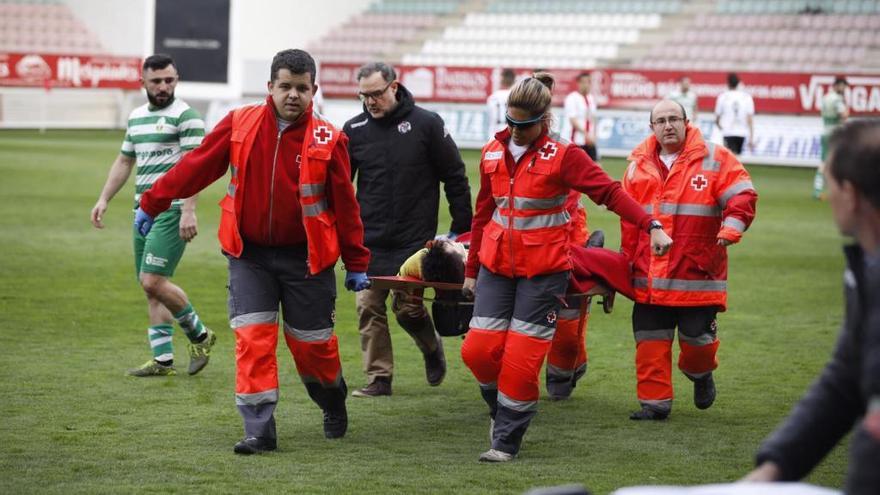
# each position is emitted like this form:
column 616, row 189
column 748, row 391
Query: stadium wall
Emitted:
column 123, row 27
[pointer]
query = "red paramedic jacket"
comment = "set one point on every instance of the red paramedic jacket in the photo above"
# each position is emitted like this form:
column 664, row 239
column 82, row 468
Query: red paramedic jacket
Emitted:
column 271, row 212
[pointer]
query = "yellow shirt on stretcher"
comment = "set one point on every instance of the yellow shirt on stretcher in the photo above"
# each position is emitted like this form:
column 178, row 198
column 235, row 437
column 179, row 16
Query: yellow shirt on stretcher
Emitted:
column 412, row 267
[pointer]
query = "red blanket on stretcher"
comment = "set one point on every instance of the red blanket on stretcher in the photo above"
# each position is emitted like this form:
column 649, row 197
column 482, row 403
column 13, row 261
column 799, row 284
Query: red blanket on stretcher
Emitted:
column 591, row 266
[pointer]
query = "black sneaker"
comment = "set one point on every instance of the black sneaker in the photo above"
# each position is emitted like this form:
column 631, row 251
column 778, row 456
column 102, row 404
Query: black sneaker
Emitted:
column 380, row 386
column 435, row 366
column 704, row 392
column 254, row 445
column 596, row 239
column 646, row 413
column 336, row 422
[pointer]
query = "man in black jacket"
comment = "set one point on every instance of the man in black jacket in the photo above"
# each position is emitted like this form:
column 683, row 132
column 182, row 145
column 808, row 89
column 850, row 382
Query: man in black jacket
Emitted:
column 400, row 153
column 847, row 393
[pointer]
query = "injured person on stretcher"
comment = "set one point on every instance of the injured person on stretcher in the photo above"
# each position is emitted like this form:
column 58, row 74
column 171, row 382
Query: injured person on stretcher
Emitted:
column 595, row 272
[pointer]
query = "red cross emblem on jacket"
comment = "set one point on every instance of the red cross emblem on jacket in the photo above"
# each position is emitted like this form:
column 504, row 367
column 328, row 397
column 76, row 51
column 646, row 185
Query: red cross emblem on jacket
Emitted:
column 322, row 135
column 699, row 182
column 548, row 151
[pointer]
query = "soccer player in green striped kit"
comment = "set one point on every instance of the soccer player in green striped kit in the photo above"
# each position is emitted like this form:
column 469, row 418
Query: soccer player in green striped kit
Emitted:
column 159, row 133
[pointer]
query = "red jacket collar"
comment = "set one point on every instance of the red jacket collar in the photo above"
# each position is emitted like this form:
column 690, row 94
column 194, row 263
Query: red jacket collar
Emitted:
column 694, row 146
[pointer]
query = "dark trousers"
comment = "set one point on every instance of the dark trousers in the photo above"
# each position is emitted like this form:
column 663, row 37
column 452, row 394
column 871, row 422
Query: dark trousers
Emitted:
column 654, row 329
column 260, row 280
column 734, row 143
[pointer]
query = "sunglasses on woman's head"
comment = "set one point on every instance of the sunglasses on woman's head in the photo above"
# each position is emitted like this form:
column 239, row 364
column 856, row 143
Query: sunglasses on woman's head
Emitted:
column 523, row 124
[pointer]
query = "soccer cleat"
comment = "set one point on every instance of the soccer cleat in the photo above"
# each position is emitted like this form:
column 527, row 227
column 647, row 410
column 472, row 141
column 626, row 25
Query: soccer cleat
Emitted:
column 152, row 368
column 435, row 366
column 646, row 413
column 336, row 422
column 493, row 455
column 254, row 445
column 200, row 353
column 704, row 392
column 380, row 386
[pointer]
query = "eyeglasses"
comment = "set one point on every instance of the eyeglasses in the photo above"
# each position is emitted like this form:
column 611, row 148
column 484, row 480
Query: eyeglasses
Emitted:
column 523, row 124
column 375, row 95
column 673, row 121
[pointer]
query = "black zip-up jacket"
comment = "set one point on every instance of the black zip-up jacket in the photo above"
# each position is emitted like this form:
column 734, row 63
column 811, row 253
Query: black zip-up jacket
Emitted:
column 837, row 401
column 399, row 161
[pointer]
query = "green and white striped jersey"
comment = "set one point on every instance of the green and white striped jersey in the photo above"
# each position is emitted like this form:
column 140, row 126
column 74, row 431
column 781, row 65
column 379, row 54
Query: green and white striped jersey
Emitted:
column 157, row 138
column 833, row 106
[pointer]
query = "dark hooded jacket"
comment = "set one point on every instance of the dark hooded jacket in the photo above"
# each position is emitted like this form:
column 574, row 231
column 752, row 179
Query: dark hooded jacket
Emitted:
column 399, row 161
column 836, row 403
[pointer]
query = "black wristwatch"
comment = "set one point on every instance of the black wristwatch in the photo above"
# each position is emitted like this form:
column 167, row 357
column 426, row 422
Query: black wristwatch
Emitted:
column 655, row 224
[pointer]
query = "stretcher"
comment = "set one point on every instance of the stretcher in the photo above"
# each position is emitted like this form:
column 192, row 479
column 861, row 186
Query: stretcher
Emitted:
column 416, row 289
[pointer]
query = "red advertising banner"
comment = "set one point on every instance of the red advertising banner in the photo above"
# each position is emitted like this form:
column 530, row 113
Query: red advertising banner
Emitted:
column 69, row 71
column 427, row 83
column 785, row 93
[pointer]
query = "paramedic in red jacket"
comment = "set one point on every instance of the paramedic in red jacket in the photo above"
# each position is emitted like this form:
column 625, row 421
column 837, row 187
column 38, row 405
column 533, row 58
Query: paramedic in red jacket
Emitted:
column 704, row 198
column 288, row 215
column 520, row 248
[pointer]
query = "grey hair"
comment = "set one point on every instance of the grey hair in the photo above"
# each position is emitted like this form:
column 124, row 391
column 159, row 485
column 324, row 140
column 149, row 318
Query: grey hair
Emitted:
column 367, row 70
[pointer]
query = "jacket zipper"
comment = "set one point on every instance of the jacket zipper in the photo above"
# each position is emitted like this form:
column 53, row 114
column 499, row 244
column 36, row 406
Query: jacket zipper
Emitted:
column 272, row 184
column 510, row 229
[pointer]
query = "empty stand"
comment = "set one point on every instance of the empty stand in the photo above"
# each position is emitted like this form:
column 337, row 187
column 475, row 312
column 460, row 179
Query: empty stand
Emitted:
column 45, row 27
column 759, row 35
column 744, row 40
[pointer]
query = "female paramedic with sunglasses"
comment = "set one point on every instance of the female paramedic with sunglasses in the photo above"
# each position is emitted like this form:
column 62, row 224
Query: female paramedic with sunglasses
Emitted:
column 518, row 264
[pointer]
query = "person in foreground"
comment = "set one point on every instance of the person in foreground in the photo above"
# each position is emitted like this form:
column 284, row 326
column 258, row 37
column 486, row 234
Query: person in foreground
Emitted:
column 400, row 154
column 704, row 195
column 288, row 214
column 518, row 264
column 158, row 135
column 846, row 396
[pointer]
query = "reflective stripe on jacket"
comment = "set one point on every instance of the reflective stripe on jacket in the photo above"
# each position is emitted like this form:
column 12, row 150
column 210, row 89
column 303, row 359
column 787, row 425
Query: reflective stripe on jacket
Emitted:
column 318, row 220
column 706, row 195
column 528, row 232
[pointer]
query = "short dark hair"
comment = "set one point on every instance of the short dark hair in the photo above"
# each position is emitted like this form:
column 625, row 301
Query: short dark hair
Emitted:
column 854, row 156
column 439, row 265
column 840, row 80
column 732, row 80
column 158, row 61
column 367, row 70
column 296, row 61
column 583, row 74
column 508, row 77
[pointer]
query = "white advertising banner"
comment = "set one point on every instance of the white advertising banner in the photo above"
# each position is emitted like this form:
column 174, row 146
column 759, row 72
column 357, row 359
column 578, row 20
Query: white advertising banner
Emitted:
column 779, row 139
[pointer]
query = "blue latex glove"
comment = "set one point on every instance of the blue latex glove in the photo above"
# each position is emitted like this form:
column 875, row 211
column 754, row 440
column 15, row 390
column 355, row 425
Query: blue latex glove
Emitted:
column 357, row 281
column 143, row 222
column 451, row 236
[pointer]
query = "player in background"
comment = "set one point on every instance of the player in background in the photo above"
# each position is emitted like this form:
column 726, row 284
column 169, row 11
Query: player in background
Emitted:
column 579, row 123
column 159, row 133
column 734, row 113
column 834, row 113
column 685, row 97
column 496, row 104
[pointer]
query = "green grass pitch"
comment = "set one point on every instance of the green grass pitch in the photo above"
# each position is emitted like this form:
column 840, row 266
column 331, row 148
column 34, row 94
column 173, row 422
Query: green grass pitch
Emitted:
column 72, row 319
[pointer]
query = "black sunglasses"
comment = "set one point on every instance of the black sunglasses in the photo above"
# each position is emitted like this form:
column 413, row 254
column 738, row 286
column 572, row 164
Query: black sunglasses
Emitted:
column 523, row 124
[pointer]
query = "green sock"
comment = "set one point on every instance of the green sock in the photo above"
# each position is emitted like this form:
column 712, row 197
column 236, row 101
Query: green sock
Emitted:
column 190, row 323
column 160, row 341
column 818, row 184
